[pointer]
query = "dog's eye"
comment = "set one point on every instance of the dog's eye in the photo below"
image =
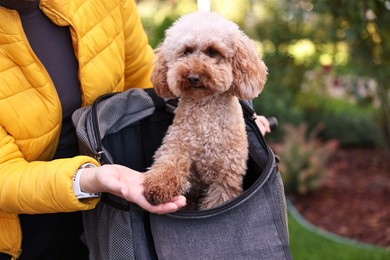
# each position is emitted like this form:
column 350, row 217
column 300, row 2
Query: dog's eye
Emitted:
column 212, row 52
column 187, row 51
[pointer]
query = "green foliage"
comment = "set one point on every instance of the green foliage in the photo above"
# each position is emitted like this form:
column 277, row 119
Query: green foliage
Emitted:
column 303, row 159
column 298, row 36
column 271, row 103
column 364, row 27
column 160, row 30
column 283, row 74
column 352, row 125
column 354, row 39
column 157, row 16
column 309, row 244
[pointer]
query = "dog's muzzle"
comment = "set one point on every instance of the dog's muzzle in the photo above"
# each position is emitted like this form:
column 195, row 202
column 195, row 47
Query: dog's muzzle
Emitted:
column 193, row 79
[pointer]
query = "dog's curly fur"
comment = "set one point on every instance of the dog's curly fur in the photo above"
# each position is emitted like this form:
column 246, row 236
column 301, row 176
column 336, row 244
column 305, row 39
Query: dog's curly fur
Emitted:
column 208, row 63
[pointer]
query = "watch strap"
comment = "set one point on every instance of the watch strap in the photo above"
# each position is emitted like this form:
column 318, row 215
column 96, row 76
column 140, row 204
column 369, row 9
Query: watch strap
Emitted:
column 76, row 183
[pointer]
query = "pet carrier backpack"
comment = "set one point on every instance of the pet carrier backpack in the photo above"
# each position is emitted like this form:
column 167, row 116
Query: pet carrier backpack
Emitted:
column 126, row 128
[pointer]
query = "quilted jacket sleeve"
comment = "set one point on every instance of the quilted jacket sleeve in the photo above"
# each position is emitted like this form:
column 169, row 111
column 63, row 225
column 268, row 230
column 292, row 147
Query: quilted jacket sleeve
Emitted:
column 37, row 187
column 138, row 53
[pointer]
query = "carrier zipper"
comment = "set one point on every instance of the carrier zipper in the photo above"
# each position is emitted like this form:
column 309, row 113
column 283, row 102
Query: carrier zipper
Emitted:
column 99, row 153
column 282, row 204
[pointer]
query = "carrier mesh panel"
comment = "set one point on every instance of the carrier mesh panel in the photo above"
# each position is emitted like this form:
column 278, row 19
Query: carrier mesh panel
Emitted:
column 110, row 233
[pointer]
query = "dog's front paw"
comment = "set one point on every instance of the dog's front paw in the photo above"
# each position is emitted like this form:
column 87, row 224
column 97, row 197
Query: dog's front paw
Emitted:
column 160, row 188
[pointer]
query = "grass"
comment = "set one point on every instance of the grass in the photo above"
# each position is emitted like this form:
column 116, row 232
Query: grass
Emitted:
column 308, row 242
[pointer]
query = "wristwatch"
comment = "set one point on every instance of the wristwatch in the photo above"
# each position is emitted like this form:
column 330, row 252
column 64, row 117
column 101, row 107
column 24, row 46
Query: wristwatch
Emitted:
column 76, row 183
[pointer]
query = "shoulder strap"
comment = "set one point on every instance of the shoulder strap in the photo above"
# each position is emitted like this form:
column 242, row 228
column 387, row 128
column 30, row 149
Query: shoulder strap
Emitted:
column 158, row 101
column 249, row 115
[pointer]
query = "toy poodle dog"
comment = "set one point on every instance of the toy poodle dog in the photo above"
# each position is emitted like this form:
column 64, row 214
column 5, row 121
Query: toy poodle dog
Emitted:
column 209, row 64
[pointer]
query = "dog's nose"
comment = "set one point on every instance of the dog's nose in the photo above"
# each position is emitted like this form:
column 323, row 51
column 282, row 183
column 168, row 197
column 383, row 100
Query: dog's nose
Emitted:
column 193, row 79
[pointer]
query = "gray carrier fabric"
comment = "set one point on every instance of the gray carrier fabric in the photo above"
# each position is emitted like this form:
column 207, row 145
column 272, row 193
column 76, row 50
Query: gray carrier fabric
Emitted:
column 252, row 226
column 114, row 113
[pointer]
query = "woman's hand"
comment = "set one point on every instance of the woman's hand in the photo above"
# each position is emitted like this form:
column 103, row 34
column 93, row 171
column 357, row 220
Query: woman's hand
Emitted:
column 125, row 183
column 263, row 124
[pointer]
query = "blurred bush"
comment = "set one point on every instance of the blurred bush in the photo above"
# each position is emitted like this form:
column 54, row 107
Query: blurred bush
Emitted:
column 303, row 159
column 349, row 123
column 281, row 106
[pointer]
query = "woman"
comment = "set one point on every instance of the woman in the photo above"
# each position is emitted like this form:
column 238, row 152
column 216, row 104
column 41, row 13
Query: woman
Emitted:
column 56, row 56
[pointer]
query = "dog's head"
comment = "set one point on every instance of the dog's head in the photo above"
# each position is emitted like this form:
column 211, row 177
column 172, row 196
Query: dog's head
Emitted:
column 204, row 54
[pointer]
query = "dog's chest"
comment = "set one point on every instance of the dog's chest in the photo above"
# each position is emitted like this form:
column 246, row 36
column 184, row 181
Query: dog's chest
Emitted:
column 218, row 145
column 209, row 128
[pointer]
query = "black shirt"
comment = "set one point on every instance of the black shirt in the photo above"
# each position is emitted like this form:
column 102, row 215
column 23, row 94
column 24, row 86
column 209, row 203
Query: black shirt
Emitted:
column 53, row 236
column 53, row 46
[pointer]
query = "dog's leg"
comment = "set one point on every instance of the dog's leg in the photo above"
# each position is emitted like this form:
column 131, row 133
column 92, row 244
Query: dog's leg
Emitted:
column 167, row 180
column 222, row 191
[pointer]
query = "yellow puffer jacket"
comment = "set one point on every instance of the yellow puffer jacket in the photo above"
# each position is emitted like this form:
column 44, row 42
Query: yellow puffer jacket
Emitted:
column 113, row 54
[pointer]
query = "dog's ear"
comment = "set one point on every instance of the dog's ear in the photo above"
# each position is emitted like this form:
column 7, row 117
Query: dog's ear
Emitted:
column 249, row 71
column 159, row 76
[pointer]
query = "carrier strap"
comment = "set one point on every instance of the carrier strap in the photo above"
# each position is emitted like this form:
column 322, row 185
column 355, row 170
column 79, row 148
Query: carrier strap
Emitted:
column 158, row 101
column 249, row 114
